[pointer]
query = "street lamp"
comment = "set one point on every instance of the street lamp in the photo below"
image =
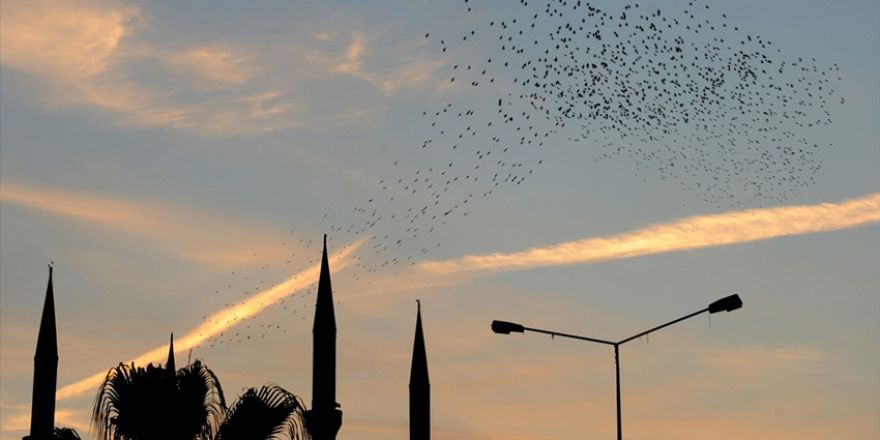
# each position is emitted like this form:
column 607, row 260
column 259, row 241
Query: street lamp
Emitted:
column 726, row 304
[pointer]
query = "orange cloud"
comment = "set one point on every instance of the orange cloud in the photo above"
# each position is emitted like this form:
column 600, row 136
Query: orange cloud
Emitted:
column 760, row 360
column 20, row 419
column 186, row 234
column 223, row 65
column 401, row 430
column 69, row 41
column 351, row 61
column 81, row 48
column 685, row 234
column 696, row 232
column 406, row 73
column 92, row 54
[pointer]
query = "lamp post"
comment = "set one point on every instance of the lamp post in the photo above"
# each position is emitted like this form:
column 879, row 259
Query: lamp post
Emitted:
column 726, row 304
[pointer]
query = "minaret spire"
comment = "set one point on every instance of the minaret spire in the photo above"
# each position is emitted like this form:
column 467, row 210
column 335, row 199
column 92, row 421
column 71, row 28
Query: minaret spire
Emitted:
column 45, row 370
column 419, row 386
column 170, row 364
column 325, row 417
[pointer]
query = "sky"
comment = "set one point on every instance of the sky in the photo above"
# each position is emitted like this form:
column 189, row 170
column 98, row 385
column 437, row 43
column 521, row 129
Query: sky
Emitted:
column 180, row 163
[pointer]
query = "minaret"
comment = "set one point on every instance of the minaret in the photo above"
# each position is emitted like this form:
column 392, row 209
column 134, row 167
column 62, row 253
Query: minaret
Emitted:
column 45, row 371
column 419, row 386
column 325, row 417
column 169, row 366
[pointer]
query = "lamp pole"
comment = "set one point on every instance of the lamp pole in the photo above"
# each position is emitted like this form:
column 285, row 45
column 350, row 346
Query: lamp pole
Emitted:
column 726, row 304
column 617, row 381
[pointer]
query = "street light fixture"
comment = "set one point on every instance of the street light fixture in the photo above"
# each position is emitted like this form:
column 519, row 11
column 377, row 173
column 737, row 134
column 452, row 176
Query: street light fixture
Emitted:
column 504, row 327
column 726, row 304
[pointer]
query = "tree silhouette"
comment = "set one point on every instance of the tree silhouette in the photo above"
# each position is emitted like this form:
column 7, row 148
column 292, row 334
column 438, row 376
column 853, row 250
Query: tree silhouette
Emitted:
column 155, row 403
column 65, row 434
column 267, row 413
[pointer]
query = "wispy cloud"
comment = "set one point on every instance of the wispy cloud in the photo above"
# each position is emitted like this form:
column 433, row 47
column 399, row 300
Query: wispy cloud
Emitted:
column 405, row 71
column 401, row 430
column 222, row 65
column 107, row 56
column 224, row 319
column 351, row 62
column 758, row 360
column 17, row 418
column 87, row 54
column 184, row 233
column 685, row 234
column 68, row 41
column 689, row 233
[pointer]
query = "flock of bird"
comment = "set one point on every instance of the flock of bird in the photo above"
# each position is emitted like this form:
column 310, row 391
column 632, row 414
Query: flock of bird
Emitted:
column 682, row 96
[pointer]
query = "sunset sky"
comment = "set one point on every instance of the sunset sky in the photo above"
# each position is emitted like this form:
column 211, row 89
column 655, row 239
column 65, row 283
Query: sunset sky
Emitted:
column 180, row 162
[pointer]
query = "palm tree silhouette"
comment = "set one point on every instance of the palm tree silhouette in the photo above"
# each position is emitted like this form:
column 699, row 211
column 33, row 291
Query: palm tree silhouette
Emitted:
column 159, row 403
column 65, row 434
column 267, row 413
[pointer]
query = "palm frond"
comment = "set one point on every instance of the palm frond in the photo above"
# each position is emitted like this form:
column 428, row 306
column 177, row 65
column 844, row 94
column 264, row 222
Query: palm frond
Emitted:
column 199, row 390
column 267, row 413
column 65, row 434
column 152, row 403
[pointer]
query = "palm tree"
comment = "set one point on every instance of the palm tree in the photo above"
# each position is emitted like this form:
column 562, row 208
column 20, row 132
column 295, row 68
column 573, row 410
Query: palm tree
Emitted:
column 267, row 413
column 65, row 434
column 159, row 403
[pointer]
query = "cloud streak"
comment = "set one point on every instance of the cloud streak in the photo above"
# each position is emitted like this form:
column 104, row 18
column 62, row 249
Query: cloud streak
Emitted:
column 68, row 41
column 20, row 418
column 107, row 56
column 685, row 234
column 757, row 360
column 88, row 53
column 689, row 233
column 388, row 71
column 223, row 320
column 186, row 234
column 217, row 64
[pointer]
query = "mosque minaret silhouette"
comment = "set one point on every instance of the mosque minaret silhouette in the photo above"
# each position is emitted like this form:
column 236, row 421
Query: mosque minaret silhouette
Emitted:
column 322, row 421
column 325, row 418
column 419, row 386
column 170, row 365
column 45, row 371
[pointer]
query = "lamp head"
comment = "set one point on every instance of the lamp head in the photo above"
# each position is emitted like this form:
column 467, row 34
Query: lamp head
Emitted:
column 505, row 328
column 727, row 304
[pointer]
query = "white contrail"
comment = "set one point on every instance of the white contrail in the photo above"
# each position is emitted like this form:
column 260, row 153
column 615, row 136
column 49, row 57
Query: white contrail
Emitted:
column 688, row 233
column 222, row 320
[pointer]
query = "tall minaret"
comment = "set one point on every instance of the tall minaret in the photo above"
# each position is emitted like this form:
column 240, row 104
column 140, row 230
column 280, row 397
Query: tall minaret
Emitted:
column 169, row 365
column 419, row 386
column 325, row 417
column 45, row 371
